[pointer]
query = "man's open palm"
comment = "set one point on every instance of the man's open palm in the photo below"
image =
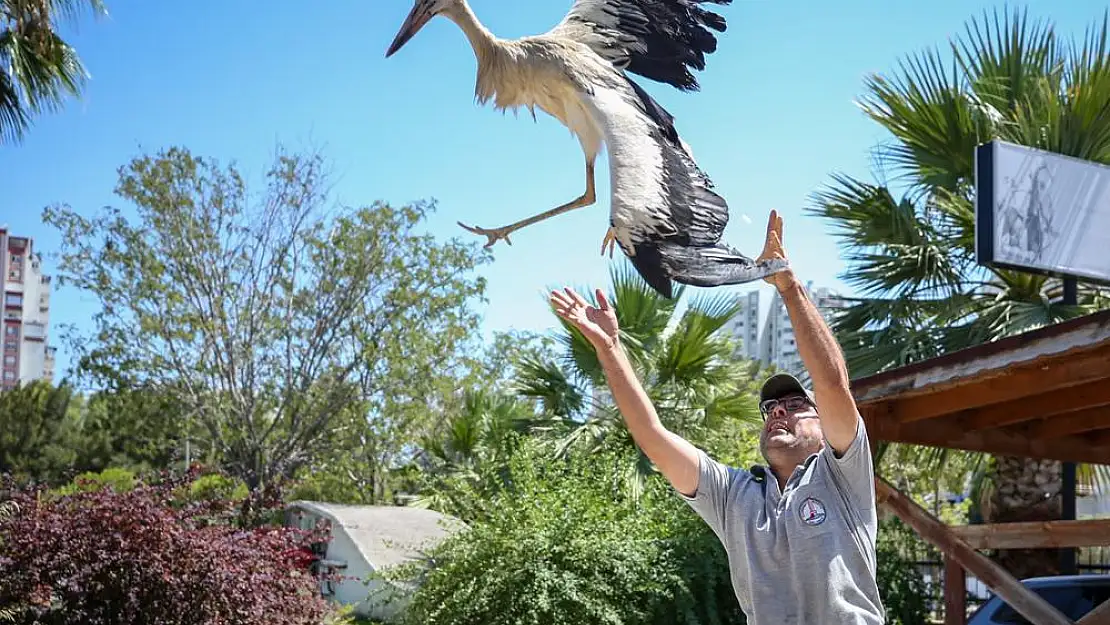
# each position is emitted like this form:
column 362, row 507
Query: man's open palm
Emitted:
column 773, row 250
column 597, row 323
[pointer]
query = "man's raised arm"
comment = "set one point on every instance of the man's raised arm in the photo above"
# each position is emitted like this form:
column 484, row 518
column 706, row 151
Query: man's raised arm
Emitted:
column 676, row 458
column 818, row 349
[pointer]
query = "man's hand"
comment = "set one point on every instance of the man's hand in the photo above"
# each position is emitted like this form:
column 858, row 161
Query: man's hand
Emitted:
column 597, row 323
column 676, row 458
column 772, row 249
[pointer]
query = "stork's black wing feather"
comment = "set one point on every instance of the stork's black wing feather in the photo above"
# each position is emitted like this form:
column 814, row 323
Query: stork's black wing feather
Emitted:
column 698, row 214
column 657, row 39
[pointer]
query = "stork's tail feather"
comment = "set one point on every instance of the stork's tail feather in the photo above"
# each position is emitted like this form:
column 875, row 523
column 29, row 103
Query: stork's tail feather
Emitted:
column 659, row 262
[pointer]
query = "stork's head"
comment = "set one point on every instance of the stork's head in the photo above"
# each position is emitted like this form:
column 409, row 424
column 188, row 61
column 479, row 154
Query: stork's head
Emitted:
column 422, row 11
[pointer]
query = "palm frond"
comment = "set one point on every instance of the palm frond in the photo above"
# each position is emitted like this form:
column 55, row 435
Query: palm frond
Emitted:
column 13, row 116
column 37, row 68
column 690, row 351
column 864, row 214
column 936, row 128
column 642, row 313
column 1006, row 64
column 891, row 246
column 1085, row 125
column 548, row 383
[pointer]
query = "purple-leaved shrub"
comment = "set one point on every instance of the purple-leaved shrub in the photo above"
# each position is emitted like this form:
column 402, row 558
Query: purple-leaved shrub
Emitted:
column 145, row 556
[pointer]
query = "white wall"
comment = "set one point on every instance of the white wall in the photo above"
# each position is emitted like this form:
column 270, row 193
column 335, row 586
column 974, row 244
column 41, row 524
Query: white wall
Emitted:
column 367, row 597
column 32, row 360
column 36, row 323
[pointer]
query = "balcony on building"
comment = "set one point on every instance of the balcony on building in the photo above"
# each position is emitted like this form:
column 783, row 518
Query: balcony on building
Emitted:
column 34, row 331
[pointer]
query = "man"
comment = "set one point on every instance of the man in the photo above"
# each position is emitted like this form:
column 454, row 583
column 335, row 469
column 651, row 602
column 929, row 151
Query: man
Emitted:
column 800, row 532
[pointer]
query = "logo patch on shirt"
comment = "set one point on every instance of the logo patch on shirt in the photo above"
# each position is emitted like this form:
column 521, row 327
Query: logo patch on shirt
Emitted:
column 812, row 511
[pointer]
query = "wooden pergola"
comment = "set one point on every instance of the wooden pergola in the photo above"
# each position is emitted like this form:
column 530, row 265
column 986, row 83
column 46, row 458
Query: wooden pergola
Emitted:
column 1042, row 394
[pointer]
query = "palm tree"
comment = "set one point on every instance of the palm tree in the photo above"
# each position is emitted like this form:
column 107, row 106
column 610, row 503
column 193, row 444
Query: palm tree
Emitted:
column 463, row 462
column 37, row 68
column 689, row 367
column 909, row 238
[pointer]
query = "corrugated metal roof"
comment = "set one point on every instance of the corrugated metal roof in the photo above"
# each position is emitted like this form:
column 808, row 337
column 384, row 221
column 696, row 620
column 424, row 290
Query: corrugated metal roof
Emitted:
column 385, row 535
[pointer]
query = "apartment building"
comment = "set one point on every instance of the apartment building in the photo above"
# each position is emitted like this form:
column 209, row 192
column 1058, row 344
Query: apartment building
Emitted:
column 773, row 343
column 744, row 325
column 27, row 356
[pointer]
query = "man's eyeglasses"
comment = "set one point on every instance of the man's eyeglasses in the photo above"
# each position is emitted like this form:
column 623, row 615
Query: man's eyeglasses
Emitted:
column 790, row 404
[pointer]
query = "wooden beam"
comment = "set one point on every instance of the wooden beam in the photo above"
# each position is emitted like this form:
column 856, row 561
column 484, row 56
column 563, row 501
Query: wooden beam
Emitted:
column 958, row 367
column 1035, row 535
column 1099, row 616
column 1099, row 440
column 1026, row 602
column 1059, row 372
column 955, row 592
column 951, row 435
column 1044, row 405
column 1088, row 420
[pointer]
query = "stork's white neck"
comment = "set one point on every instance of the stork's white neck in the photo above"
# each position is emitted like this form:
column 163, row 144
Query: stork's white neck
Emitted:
column 481, row 39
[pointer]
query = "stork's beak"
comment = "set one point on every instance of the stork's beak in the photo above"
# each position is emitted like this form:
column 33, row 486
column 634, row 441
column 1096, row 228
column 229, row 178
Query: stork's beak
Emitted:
column 413, row 23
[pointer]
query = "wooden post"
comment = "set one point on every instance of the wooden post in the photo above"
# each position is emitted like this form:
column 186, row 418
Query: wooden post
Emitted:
column 955, row 592
column 1026, row 602
column 1098, row 616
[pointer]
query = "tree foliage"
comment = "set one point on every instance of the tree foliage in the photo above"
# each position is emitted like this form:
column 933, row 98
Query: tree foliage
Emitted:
column 362, row 466
column 701, row 388
column 266, row 316
column 464, row 462
column 141, row 429
column 38, row 69
column 905, row 592
column 96, row 555
column 913, row 256
column 39, row 435
column 566, row 543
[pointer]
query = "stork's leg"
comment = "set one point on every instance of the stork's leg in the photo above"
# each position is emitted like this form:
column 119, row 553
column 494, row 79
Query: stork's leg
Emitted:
column 495, row 234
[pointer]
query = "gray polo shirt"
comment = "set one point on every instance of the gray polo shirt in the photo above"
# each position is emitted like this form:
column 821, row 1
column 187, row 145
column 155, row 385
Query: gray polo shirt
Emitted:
column 804, row 556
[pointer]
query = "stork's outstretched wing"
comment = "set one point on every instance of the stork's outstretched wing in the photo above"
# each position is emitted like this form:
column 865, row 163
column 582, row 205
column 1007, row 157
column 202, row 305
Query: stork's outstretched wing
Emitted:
column 657, row 39
column 665, row 215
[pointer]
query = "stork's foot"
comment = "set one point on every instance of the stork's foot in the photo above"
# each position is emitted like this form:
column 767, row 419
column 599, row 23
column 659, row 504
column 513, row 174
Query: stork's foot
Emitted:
column 609, row 241
column 492, row 234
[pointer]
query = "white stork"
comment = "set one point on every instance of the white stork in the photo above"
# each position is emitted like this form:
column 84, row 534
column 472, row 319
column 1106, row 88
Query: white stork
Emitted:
column 663, row 211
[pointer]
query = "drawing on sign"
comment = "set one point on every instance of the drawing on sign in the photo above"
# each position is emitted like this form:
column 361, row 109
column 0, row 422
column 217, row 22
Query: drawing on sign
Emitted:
column 1027, row 213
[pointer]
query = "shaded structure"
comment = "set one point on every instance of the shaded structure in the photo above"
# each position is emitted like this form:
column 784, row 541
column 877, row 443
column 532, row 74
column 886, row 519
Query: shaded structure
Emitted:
column 1041, row 394
column 363, row 541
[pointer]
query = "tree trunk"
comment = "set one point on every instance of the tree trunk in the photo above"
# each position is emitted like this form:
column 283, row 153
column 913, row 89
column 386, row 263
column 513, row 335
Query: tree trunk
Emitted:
column 1024, row 489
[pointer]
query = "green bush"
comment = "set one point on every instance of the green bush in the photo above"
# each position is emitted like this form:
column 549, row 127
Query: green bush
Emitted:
column 120, row 480
column 903, row 588
column 217, row 486
column 563, row 543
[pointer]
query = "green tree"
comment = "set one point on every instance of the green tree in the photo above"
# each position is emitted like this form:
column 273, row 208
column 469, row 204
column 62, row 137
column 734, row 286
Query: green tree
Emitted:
column 464, row 461
column 689, row 367
column 37, row 68
column 566, row 543
column 38, row 433
column 383, row 460
column 141, row 429
column 912, row 256
column 266, row 315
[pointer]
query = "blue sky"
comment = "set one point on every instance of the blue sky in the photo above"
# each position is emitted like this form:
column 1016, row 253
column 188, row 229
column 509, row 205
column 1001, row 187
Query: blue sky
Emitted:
column 775, row 117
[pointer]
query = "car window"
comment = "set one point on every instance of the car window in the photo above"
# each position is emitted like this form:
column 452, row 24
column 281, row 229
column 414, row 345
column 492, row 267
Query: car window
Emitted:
column 1073, row 601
